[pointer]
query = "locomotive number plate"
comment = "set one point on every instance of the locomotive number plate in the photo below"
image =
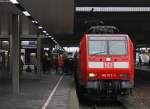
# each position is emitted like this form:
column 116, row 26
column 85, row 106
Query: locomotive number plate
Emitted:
column 108, row 75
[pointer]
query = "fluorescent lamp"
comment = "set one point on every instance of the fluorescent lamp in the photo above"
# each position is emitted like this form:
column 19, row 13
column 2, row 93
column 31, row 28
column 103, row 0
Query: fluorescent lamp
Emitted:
column 40, row 27
column 49, row 36
column 5, row 41
column 52, row 38
column 26, row 13
column 46, row 49
column 44, row 31
column 14, row 1
column 34, row 21
column 113, row 9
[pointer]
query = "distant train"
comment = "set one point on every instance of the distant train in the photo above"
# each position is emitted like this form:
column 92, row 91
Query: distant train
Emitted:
column 105, row 63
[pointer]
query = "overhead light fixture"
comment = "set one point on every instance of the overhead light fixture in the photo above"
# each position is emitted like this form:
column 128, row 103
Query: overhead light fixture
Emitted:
column 44, row 31
column 34, row 21
column 26, row 13
column 40, row 27
column 49, row 36
column 52, row 38
column 112, row 9
column 14, row 1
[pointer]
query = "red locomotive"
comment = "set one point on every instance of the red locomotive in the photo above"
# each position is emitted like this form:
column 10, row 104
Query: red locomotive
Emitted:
column 105, row 65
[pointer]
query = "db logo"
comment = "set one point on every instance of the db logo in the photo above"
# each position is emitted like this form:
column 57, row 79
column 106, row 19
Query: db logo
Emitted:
column 108, row 65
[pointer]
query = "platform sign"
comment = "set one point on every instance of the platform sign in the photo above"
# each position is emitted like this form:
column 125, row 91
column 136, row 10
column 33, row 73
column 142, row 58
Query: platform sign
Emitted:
column 29, row 44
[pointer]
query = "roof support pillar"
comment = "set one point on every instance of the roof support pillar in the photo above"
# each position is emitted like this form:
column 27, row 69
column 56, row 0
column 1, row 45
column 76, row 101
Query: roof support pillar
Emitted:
column 15, row 52
column 39, row 54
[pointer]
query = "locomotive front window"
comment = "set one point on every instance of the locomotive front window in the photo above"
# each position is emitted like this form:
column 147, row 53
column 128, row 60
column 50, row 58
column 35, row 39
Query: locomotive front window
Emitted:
column 117, row 48
column 97, row 47
column 107, row 46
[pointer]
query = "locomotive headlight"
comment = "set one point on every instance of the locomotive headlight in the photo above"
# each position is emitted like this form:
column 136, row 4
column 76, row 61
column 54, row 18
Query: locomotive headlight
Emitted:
column 124, row 75
column 92, row 75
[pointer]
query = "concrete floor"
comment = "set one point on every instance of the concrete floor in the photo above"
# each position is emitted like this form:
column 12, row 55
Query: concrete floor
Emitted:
column 34, row 93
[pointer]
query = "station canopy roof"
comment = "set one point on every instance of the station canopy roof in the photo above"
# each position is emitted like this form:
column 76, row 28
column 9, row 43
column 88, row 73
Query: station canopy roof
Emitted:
column 65, row 20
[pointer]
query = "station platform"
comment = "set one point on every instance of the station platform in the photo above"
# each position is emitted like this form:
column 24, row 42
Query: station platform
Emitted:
column 58, row 92
column 51, row 92
column 143, row 68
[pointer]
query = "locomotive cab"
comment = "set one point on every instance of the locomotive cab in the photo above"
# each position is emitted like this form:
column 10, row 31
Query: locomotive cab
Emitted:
column 106, row 64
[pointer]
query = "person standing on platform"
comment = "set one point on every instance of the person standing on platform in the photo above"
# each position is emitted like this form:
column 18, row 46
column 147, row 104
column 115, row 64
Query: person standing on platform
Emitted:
column 44, row 61
column 55, row 61
column 49, row 63
column 61, row 64
column 141, row 61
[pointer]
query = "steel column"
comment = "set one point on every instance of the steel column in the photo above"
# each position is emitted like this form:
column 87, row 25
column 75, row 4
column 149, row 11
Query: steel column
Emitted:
column 15, row 52
column 39, row 63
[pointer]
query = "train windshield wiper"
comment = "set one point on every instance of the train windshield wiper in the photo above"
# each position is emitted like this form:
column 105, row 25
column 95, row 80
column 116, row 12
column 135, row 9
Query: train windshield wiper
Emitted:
column 98, row 53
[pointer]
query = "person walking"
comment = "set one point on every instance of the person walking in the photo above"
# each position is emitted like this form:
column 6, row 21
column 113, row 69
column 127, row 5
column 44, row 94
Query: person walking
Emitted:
column 55, row 62
column 61, row 64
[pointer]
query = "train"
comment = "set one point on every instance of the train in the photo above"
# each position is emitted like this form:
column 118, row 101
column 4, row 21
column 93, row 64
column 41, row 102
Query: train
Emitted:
column 105, row 63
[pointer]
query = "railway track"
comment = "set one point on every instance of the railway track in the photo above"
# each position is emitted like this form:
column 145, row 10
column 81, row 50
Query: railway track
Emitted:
column 139, row 100
column 105, row 105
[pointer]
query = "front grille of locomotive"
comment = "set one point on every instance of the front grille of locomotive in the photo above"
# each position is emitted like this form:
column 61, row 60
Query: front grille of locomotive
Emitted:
column 108, row 87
